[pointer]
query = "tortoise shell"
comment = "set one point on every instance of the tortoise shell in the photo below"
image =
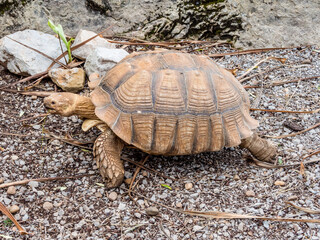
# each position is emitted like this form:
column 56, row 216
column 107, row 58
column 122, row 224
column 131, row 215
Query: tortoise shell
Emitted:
column 173, row 103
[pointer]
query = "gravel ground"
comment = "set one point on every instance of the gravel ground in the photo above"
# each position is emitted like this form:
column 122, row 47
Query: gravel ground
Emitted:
column 221, row 181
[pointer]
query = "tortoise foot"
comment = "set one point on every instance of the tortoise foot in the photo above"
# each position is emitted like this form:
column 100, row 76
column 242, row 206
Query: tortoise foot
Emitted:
column 260, row 148
column 106, row 151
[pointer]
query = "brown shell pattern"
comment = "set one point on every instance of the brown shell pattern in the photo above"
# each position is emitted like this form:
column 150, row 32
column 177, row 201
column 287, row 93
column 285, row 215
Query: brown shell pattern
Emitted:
column 173, row 103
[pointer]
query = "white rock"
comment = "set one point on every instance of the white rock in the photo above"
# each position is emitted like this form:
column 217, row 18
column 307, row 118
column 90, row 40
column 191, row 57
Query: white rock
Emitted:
column 197, row 228
column 122, row 206
column 33, row 184
column 21, row 60
column 101, row 60
column 85, row 50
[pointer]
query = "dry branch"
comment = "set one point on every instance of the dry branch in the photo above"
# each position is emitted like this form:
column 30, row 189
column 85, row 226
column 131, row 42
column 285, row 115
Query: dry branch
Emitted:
column 294, row 134
column 307, row 210
column 247, row 52
column 226, row 215
column 26, row 181
column 284, row 111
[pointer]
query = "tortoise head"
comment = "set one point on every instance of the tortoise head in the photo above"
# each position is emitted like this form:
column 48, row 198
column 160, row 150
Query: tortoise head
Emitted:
column 61, row 103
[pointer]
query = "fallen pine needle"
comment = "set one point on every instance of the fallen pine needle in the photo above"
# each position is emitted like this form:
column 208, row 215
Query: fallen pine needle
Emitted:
column 226, row 215
column 258, row 163
column 294, row 134
column 307, row 210
column 281, row 82
column 6, row 212
column 284, row 111
column 246, row 52
column 282, row 60
column 26, row 181
column 311, row 154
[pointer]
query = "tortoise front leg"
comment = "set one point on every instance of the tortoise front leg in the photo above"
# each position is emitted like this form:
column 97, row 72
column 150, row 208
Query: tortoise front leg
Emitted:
column 106, row 151
column 260, row 148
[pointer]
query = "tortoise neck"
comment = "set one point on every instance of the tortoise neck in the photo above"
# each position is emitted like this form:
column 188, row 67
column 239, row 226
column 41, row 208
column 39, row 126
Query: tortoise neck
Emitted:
column 84, row 108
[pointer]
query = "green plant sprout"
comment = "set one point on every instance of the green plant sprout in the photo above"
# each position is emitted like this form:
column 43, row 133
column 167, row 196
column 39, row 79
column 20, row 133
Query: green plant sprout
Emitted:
column 7, row 222
column 59, row 30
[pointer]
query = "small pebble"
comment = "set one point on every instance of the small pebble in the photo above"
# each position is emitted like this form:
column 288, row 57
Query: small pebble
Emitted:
column 279, row 183
column 250, row 193
column 145, row 173
column 188, row 186
column 1, row 180
column 14, row 157
column 11, row 190
column 152, row 211
column 179, row 205
column 236, row 177
column 137, row 215
column 98, row 194
column 14, row 208
column 47, row 206
column 113, row 196
column 128, row 181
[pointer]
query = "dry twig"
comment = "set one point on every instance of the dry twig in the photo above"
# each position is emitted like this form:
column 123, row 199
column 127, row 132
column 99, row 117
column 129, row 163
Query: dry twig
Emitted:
column 294, row 134
column 281, row 82
column 135, row 175
column 246, row 52
column 307, row 210
column 26, row 181
column 284, row 111
column 258, row 163
column 225, row 215
column 282, row 60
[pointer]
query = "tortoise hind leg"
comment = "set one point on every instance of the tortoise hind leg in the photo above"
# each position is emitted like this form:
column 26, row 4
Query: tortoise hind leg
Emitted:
column 262, row 149
column 106, row 152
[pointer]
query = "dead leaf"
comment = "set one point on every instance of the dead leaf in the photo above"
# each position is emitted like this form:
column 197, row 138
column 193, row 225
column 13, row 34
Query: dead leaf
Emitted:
column 293, row 126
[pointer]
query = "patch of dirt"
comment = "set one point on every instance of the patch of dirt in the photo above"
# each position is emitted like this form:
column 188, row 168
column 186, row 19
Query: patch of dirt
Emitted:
column 81, row 207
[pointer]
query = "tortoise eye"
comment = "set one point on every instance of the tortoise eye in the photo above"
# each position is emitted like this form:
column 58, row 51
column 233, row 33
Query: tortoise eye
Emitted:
column 53, row 102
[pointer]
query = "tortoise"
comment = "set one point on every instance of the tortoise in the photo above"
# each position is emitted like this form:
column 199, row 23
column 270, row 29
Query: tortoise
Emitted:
column 164, row 103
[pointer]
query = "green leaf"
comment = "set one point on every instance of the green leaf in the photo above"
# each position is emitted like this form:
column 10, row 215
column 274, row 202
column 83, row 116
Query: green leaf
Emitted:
column 7, row 222
column 100, row 184
column 4, row 236
column 166, row 186
column 280, row 160
column 60, row 188
column 59, row 30
column 85, row 150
